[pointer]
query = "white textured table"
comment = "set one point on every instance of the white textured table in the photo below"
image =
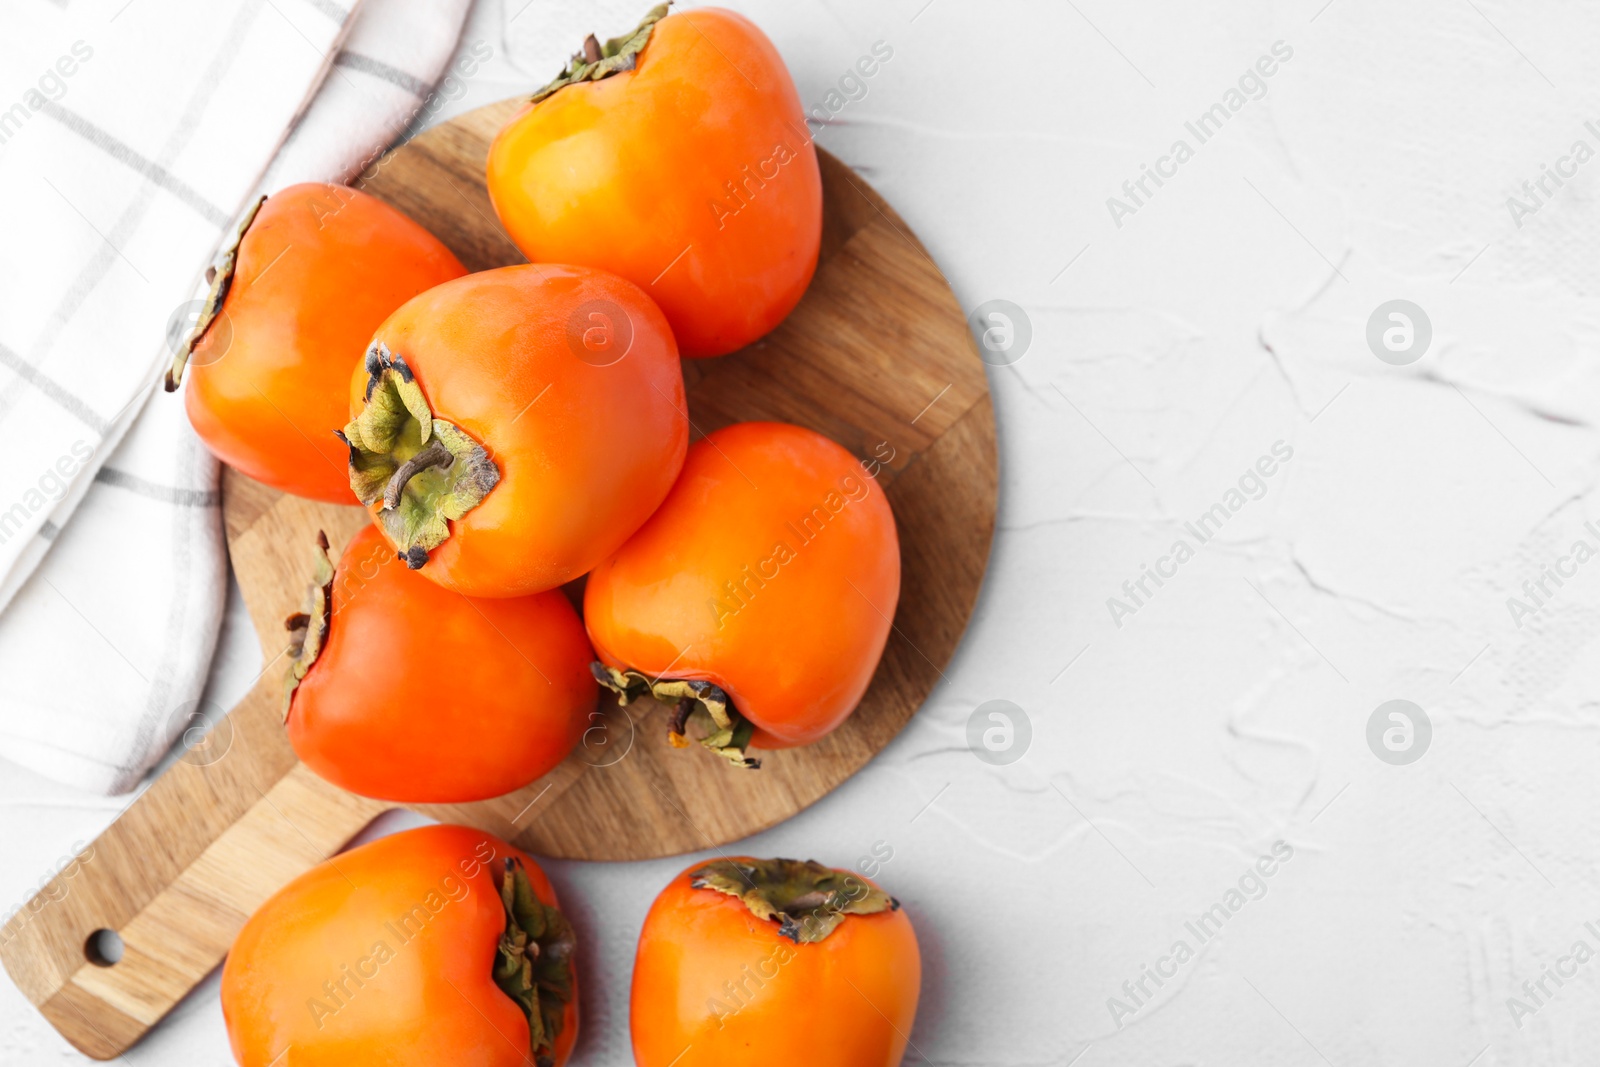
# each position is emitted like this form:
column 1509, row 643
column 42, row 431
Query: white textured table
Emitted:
column 1102, row 900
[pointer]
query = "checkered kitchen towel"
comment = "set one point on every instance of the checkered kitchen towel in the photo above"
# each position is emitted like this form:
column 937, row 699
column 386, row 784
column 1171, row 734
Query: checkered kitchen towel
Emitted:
column 131, row 134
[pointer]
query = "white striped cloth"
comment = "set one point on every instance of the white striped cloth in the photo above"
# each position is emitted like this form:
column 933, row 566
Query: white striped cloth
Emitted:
column 131, row 136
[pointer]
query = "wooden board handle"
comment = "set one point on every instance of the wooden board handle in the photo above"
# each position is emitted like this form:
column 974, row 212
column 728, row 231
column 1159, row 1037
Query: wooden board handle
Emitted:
column 252, row 817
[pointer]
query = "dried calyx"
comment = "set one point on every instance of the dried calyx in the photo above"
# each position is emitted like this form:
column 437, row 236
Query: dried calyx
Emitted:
column 807, row 900
column 308, row 629
column 220, row 277
column 425, row 470
column 724, row 730
column 598, row 61
column 533, row 965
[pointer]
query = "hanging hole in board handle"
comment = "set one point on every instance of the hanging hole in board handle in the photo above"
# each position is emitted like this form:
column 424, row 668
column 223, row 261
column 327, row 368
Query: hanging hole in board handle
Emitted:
column 103, row 948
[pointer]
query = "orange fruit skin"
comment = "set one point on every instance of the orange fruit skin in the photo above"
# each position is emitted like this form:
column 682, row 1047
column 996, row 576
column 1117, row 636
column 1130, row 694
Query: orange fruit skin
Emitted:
column 772, row 569
column 712, row 979
column 585, row 451
column 423, row 695
column 693, row 176
column 319, row 269
column 428, row 897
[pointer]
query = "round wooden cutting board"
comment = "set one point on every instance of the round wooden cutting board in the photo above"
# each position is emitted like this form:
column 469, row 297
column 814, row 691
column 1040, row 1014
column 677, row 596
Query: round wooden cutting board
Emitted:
column 877, row 356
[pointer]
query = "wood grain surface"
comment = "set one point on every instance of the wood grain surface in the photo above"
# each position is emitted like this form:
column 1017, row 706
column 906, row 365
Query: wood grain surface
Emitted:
column 877, row 356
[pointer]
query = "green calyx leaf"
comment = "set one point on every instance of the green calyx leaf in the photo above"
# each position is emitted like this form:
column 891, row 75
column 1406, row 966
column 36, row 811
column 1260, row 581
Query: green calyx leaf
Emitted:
column 724, row 731
column 597, row 61
column 426, row 471
column 222, row 269
column 807, row 900
column 533, row 965
column 308, row 629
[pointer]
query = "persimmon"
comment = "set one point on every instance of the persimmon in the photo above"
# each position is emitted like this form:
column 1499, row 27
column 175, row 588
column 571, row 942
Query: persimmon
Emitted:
column 775, row 962
column 403, row 690
column 439, row 945
column 758, row 598
column 677, row 156
column 315, row 269
column 511, row 428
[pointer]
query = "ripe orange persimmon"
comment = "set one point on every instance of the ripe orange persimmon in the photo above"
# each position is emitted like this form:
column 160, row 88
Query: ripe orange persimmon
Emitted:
column 774, row 962
column 677, row 156
column 513, row 427
column 292, row 306
column 760, row 595
column 439, row 945
column 403, row 690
